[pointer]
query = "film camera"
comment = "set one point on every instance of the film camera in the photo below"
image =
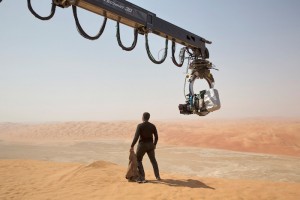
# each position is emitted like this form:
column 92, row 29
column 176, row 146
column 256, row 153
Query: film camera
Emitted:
column 205, row 101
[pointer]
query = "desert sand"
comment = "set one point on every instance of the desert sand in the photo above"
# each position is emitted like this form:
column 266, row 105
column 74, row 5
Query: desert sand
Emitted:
column 272, row 136
column 27, row 179
column 224, row 159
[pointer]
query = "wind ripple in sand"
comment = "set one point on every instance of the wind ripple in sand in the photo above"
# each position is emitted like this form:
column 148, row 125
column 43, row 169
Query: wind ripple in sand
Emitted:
column 277, row 136
column 20, row 179
column 184, row 160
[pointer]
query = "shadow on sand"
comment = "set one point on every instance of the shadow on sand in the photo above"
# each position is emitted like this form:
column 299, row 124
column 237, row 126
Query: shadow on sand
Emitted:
column 183, row 183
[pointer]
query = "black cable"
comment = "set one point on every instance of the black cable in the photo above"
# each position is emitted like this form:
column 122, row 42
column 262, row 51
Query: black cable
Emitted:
column 206, row 53
column 120, row 42
column 38, row 16
column 173, row 55
column 80, row 29
column 188, row 50
column 151, row 56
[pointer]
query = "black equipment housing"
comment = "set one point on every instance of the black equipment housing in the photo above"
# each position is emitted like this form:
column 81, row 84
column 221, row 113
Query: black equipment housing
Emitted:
column 145, row 21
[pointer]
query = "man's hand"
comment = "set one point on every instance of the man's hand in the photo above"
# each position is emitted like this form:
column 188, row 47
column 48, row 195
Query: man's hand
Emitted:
column 131, row 149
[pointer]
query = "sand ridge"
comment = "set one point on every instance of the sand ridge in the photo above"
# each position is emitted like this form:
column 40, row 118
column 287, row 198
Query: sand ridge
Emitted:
column 29, row 179
column 276, row 136
column 73, row 142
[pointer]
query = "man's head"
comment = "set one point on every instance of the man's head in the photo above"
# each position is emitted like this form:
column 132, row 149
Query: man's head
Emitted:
column 146, row 116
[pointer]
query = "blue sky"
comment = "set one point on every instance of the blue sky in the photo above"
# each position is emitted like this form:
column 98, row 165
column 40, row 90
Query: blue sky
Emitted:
column 48, row 72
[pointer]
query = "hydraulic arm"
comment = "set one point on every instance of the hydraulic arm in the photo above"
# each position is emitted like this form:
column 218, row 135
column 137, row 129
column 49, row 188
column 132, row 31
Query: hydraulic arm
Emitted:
column 145, row 22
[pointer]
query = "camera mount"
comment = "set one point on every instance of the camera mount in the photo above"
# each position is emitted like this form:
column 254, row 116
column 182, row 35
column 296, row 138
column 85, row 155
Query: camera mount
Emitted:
column 205, row 101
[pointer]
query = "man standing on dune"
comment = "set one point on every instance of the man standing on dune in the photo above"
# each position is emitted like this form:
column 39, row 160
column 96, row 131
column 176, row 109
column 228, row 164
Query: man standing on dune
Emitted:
column 144, row 132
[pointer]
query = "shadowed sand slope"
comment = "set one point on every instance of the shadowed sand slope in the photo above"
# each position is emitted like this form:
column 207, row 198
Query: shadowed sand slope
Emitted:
column 277, row 136
column 27, row 179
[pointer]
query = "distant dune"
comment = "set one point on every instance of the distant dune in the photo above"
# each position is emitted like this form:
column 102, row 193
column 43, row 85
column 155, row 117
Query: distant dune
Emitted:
column 261, row 136
column 269, row 177
column 272, row 136
column 28, row 179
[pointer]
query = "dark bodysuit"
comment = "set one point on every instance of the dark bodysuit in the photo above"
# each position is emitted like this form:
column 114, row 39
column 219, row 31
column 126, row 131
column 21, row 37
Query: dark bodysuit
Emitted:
column 144, row 132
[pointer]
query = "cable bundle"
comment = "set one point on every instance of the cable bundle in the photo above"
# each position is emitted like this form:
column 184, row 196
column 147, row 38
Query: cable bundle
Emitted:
column 97, row 36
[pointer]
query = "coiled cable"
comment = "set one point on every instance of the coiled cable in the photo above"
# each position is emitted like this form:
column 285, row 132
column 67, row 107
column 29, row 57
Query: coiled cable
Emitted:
column 151, row 56
column 120, row 42
column 173, row 56
column 80, row 29
column 53, row 7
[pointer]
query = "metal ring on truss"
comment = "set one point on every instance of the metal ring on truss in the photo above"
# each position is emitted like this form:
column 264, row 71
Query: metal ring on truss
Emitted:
column 80, row 29
column 37, row 15
column 210, row 82
column 120, row 42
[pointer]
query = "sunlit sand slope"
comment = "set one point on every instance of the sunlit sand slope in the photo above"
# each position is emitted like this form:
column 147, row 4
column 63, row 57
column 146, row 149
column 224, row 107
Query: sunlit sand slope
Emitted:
column 26, row 179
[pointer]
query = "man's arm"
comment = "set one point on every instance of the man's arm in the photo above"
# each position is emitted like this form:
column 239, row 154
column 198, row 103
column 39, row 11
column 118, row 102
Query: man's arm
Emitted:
column 155, row 136
column 136, row 136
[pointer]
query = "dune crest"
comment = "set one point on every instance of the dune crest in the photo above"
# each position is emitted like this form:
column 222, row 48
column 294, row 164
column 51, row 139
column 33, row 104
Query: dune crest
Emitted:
column 28, row 179
column 276, row 136
column 101, row 164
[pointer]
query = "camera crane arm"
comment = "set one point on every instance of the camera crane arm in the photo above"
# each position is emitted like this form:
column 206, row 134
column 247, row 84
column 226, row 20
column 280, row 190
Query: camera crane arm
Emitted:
column 144, row 22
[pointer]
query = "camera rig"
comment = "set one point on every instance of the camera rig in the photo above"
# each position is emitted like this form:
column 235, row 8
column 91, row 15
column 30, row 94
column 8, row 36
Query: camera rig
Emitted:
column 145, row 22
column 205, row 101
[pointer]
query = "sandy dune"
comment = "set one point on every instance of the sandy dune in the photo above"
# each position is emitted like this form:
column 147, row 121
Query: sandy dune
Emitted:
column 67, row 152
column 276, row 136
column 191, row 161
column 27, row 179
